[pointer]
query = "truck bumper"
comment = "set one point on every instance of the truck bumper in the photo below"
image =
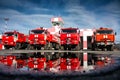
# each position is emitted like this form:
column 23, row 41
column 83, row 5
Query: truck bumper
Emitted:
column 102, row 43
column 73, row 42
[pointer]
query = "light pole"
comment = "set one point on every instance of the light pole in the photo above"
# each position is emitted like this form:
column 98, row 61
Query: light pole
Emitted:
column 6, row 25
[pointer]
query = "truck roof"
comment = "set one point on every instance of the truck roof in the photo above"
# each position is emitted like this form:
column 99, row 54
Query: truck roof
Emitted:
column 101, row 28
column 11, row 32
column 69, row 28
column 40, row 28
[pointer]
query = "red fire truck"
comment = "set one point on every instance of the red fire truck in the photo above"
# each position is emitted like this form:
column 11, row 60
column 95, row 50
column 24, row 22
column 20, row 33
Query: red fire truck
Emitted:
column 1, row 45
column 41, row 38
column 14, row 39
column 104, row 38
column 70, row 38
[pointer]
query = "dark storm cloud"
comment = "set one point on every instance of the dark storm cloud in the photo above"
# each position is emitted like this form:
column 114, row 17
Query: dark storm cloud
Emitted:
column 27, row 14
column 31, row 6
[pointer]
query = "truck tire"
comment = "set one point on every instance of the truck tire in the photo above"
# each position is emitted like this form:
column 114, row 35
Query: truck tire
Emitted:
column 77, row 47
column 103, row 49
column 93, row 47
column 17, row 46
column 110, row 48
column 62, row 47
column 51, row 46
column 30, row 47
column 57, row 47
column 6, row 47
column 46, row 47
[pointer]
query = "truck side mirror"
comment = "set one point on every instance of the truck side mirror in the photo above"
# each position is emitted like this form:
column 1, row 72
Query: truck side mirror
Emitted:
column 59, row 32
column 29, row 31
column 46, row 32
column 115, row 33
column 79, row 32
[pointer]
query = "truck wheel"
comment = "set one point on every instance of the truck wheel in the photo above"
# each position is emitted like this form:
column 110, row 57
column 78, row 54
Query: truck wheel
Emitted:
column 77, row 47
column 17, row 46
column 6, row 47
column 93, row 47
column 30, row 47
column 62, row 47
column 50, row 46
column 57, row 47
column 46, row 47
column 110, row 48
column 103, row 49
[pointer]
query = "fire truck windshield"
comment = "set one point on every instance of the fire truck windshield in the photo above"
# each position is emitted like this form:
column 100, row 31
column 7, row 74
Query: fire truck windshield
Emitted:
column 69, row 31
column 37, row 31
column 9, row 34
column 105, row 31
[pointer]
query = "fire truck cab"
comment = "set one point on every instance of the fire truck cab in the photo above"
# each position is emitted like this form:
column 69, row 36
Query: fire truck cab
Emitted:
column 38, row 38
column 14, row 39
column 104, row 38
column 70, row 38
column 41, row 38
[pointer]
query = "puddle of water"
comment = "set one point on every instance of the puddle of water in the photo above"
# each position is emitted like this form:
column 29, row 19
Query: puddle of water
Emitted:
column 68, row 64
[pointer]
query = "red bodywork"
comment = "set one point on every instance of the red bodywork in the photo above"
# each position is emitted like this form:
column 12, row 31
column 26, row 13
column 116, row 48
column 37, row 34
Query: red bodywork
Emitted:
column 69, row 36
column 75, row 64
column 21, row 63
column 63, row 64
column 10, row 39
column 104, row 36
column 42, row 37
column 1, row 45
column 37, row 63
column 39, row 36
column 8, row 60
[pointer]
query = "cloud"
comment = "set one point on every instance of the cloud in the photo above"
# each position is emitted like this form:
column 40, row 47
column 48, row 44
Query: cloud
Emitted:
column 104, row 16
column 23, row 22
column 29, row 14
column 9, row 3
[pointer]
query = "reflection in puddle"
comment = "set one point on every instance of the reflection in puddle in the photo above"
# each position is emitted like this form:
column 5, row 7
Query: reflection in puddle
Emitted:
column 57, row 62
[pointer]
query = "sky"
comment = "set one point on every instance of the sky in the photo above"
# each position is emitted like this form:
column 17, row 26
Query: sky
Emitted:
column 25, row 15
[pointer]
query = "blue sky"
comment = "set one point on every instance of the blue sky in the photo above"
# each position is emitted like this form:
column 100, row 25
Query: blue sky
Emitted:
column 28, row 14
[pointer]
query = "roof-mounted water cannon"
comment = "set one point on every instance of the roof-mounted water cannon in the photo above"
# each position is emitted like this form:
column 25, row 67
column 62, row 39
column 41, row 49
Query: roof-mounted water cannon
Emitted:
column 57, row 21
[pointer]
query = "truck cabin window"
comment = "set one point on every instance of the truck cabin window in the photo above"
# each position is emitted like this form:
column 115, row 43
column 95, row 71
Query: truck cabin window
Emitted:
column 9, row 34
column 69, row 31
column 37, row 31
column 104, row 31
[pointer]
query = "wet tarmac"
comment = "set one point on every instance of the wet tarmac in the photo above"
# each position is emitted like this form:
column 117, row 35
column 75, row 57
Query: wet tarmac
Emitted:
column 107, row 71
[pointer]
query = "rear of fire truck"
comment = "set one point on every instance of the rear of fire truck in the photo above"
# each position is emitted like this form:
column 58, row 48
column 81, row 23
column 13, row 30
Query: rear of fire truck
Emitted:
column 70, row 38
column 14, row 39
column 104, row 38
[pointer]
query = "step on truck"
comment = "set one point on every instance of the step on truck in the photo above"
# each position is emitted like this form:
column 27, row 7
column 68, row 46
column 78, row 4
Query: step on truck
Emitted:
column 14, row 39
column 70, row 38
column 104, row 38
